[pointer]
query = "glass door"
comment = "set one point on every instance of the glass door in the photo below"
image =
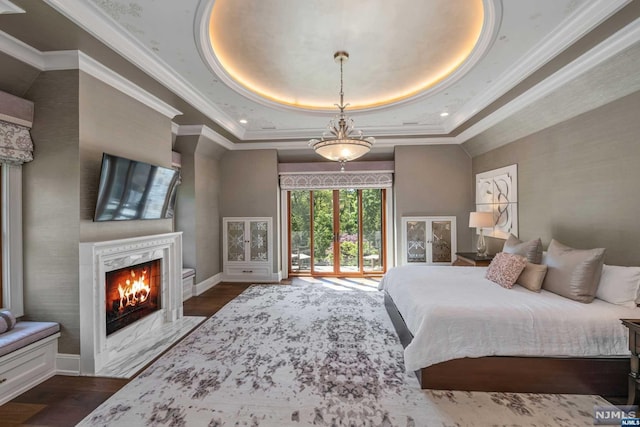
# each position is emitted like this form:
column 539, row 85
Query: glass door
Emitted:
column 336, row 232
column 323, row 232
column 349, row 226
column 300, row 231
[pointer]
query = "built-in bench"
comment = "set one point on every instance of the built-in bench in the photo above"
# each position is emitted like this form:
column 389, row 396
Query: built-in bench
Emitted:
column 188, row 280
column 27, row 357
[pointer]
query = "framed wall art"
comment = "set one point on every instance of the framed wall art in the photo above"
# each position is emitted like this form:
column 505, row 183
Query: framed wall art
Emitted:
column 497, row 192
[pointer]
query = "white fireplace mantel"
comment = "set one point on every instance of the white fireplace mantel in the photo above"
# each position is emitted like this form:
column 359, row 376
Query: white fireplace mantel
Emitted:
column 97, row 350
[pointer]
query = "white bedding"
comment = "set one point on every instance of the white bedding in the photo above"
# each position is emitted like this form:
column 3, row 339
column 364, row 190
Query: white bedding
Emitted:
column 454, row 312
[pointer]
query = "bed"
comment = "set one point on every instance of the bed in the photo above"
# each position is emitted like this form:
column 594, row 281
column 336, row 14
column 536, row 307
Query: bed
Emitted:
column 464, row 332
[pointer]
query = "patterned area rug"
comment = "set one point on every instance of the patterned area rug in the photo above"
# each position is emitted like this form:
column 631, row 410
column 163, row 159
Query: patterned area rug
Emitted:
column 308, row 355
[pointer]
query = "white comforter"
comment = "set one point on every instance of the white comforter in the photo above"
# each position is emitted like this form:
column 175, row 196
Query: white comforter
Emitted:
column 454, row 312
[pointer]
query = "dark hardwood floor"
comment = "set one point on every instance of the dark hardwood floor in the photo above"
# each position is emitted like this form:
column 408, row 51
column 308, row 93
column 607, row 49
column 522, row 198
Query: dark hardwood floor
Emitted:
column 64, row 401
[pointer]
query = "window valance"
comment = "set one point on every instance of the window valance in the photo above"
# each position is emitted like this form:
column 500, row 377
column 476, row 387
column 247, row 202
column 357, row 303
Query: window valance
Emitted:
column 16, row 118
column 335, row 180
column 16, row 146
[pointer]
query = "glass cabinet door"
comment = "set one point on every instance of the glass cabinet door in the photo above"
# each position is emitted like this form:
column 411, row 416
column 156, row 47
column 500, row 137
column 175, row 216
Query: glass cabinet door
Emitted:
column 416, row 241
column 236, row 248
column 441, row 242
column 259, row 235
column 428, row 240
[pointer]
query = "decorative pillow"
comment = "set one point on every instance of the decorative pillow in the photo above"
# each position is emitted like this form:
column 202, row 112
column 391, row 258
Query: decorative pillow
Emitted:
column 573, row 273
column 619, row 285
column 7, row 321
column 532, row 276
column 505, row 269
column 531, row 249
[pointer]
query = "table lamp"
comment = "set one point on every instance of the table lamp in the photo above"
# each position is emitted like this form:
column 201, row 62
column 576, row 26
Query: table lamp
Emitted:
column 481, row 220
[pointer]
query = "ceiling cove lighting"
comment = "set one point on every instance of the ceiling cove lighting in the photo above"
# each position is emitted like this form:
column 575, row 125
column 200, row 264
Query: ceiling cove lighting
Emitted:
column 341, row 142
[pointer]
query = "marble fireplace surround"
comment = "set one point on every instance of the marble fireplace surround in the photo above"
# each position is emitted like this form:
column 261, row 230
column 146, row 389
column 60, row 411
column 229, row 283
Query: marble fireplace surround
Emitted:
column 123, row 352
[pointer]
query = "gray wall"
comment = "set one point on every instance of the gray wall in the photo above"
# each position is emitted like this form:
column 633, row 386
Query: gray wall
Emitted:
column 113, row 122
column 250, row 188
column 198, row 204
column 51, row 207
column 433, row 180
column 578, row 181
column 77, row 118
column 185, row 214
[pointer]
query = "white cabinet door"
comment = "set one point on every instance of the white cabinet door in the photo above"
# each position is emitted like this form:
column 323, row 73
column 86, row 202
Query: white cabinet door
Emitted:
column 247, row 251
column 428, row 240
column 259, row 240
column 236, row 241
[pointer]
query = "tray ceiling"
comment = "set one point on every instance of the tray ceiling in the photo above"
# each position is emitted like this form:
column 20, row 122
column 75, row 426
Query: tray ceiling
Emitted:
column 420, row 71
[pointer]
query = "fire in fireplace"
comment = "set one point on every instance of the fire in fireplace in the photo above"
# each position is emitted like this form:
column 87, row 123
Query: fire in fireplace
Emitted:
column 132, row 293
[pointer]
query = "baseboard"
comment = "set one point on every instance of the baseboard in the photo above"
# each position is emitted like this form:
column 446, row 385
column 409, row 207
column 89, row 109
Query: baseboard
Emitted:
column 187, row 293
column 207, row 284
column 68, row 364
column 277, row 277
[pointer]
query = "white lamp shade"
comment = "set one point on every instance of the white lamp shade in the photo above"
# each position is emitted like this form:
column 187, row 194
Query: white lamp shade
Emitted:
column 481, row 219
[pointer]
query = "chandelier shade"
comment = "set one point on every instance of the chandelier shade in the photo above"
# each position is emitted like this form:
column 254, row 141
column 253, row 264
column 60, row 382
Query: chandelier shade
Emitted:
column 341, row 142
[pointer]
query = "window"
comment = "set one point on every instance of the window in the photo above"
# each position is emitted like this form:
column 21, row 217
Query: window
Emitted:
column 11, row 240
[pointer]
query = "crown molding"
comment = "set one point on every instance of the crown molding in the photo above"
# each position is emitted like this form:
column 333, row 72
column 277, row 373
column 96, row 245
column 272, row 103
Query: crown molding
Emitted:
column 573, row 28
column 61, row 60
column 74, row 59
column 399, row 142
column 376, row 131
column 115, row 80
column 77, row 60
column 21, row 51
column 97, row 23
column 7, row 7
column 615, row 44
column 207, row 132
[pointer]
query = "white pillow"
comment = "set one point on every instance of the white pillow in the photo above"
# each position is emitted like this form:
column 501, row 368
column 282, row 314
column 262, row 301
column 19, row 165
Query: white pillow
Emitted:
column 619, row 285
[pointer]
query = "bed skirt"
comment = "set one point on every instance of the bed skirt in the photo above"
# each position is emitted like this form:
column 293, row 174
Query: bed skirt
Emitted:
column 601, row 376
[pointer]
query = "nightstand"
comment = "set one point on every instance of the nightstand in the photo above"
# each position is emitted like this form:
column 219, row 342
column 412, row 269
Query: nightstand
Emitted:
column 634, row 347
column 471, row 259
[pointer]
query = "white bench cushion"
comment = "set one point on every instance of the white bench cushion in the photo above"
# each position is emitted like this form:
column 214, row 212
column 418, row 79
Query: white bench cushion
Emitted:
column 25, row 333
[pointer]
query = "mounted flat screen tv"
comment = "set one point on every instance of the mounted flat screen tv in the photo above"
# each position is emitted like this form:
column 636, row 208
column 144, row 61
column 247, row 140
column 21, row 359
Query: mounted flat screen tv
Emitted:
column 131, row 190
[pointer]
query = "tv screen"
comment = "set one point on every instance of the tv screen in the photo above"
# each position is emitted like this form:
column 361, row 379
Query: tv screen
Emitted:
column 130, row 190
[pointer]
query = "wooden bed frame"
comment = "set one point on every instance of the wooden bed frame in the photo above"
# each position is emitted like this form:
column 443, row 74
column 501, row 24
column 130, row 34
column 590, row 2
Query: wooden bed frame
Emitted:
column 602, row 376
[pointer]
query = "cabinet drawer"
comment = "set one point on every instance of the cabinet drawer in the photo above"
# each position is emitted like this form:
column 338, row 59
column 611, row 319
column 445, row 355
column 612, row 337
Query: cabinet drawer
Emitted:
column 249, row 271
column 20, row 371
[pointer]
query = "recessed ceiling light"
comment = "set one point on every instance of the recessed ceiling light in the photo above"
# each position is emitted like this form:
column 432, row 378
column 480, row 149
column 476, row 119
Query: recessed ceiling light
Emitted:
column 444, row 114
column 243, row 121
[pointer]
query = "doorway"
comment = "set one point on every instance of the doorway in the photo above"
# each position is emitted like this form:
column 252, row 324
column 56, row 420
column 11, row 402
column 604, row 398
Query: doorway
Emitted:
column 337, row 232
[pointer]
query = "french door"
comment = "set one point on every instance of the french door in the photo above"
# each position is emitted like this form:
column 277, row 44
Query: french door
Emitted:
column 336, row 232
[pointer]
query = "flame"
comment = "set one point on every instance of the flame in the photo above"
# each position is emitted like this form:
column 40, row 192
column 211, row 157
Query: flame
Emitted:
column 135, row 291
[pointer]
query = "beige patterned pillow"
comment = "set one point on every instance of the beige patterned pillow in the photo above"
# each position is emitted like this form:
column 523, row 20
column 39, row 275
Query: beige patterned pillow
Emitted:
column 573, row 273
column 505, row 269
column 532, row 276
column 531, row 249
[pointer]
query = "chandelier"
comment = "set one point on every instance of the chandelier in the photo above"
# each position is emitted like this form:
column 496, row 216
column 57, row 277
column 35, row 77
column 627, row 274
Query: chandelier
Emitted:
column 341, row 142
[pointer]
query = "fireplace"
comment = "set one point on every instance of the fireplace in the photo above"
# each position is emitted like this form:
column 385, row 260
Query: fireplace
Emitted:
column 121, row 330
column 132, row 293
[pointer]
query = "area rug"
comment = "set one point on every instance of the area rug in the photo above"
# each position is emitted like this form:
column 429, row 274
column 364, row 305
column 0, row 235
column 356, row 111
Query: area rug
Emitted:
column 310, row 356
